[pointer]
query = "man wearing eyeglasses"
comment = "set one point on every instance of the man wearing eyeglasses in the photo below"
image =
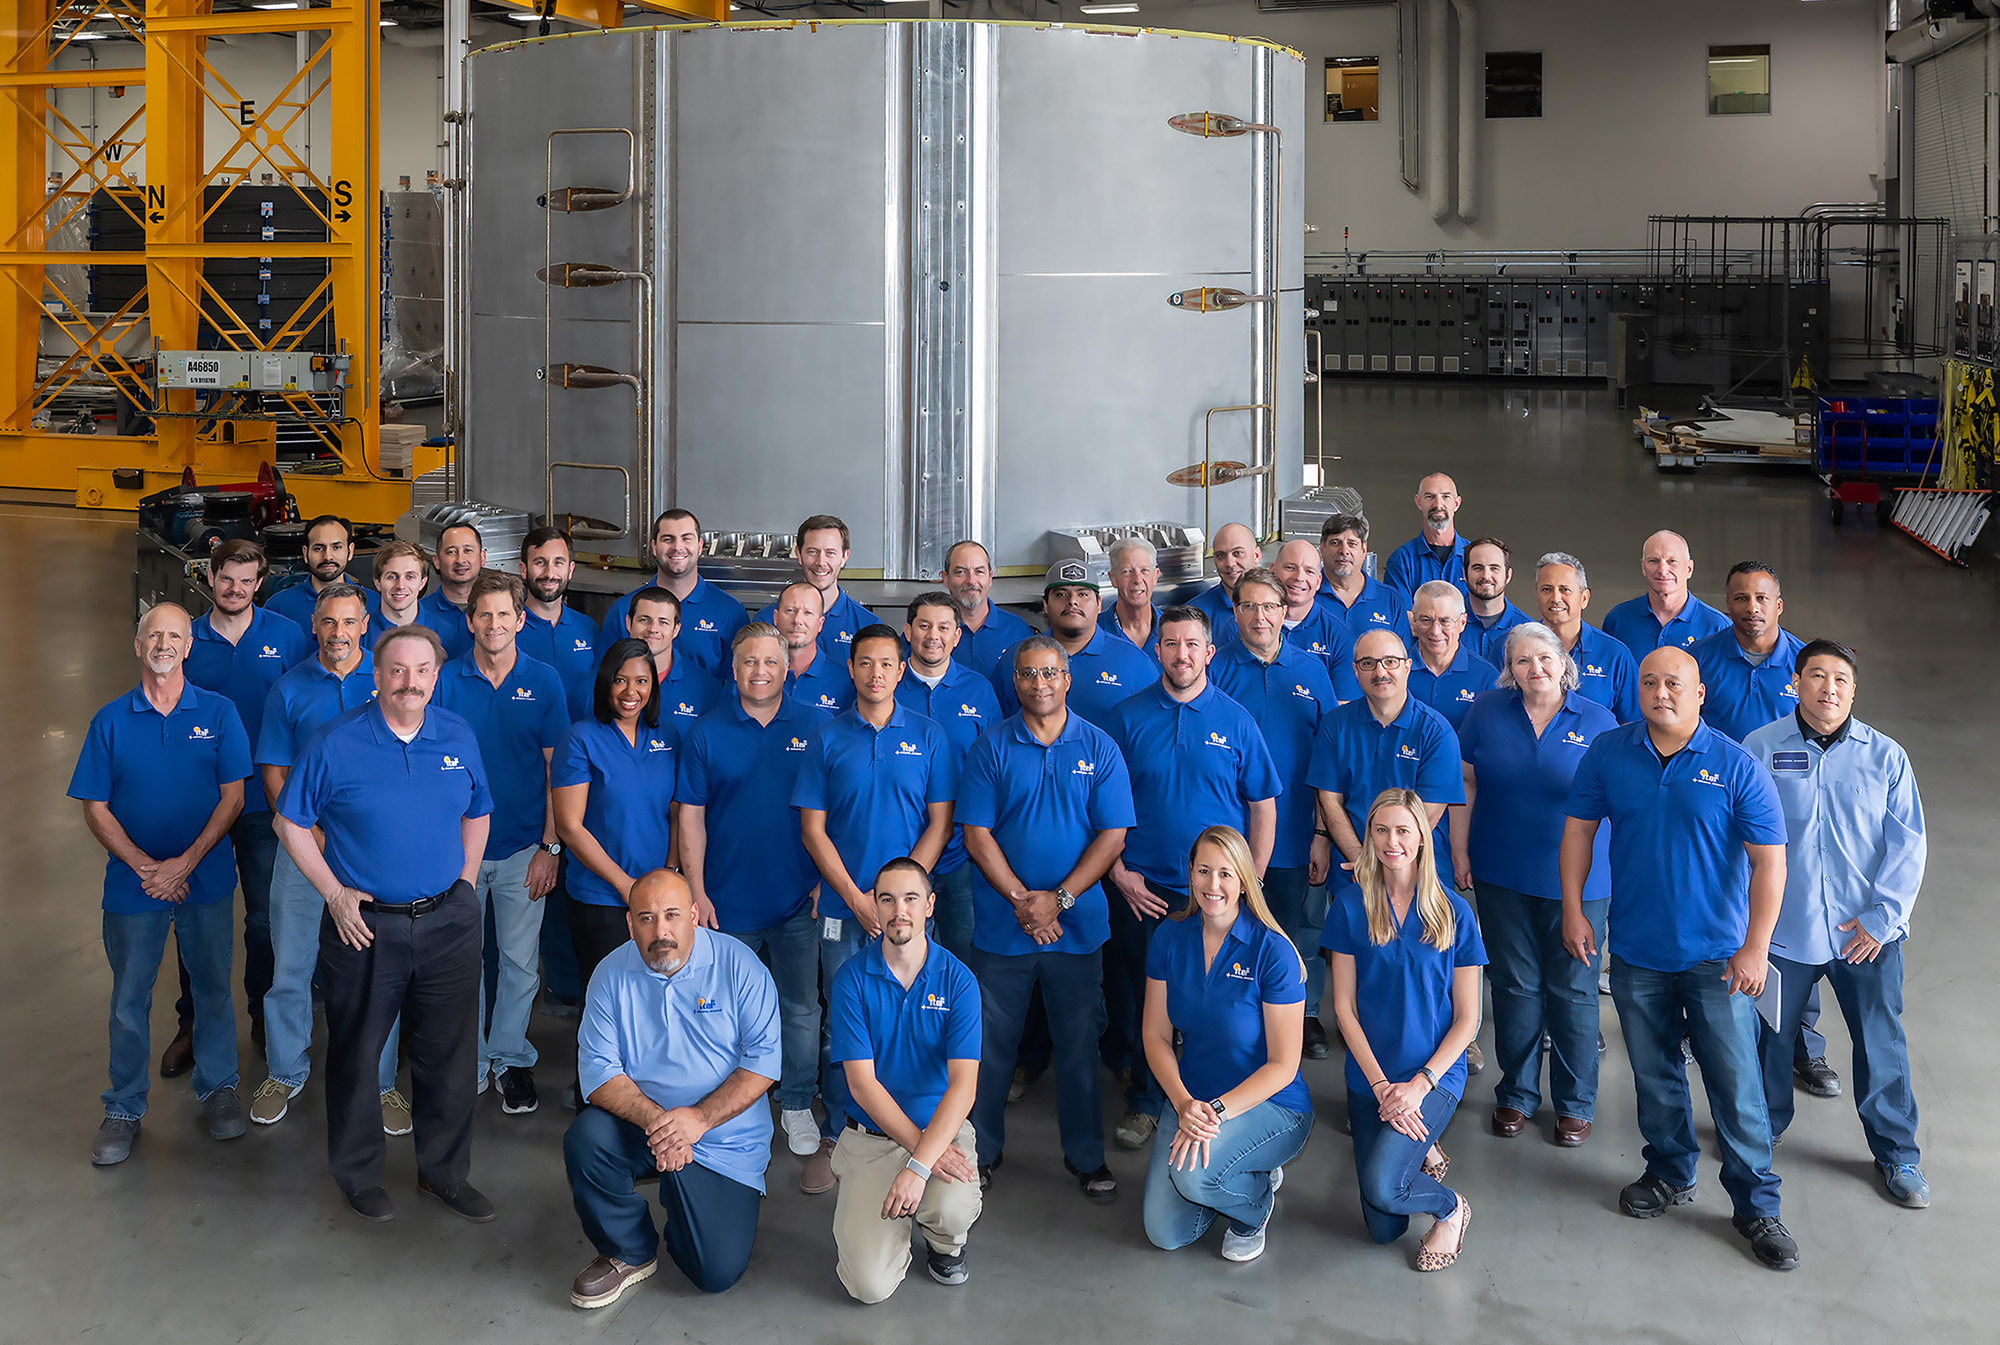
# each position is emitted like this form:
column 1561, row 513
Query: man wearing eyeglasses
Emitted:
column 1104, row 668
column 1445, row 674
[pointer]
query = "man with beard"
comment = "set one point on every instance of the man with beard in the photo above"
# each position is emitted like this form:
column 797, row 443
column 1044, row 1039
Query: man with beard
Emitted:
column 402, row 571
column 1438, row 552
column 989, row 631
column 461, row 555
column 1236, row 551
column 399, row 792
column 906, row 1029
column 678, row 1046
column 161, row 781
column 686, row 692
column 1103, row 668
column 329, row 546
column 1360, row 603
column 556, row 633
column 1489, row 569
column 822, row 552
column 711, row 616
column 1308, row 624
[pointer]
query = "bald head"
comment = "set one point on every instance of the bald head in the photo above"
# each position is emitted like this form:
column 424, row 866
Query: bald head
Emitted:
column 169, row 612
column 1667, row 565
column 1297, row 569
column 660, row 913
column 162, row 641
column 1670, row 693
column 1236, row 550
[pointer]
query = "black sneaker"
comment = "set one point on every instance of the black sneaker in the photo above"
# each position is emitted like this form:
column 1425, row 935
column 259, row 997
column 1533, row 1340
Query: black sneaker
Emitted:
column 986, row 1171
column 1316, row 1047
column 464, row 1200
column 1099, row 1187
column 947, row 1267
column 517, row 1091
column 1770, row 1242
column 1815, row 1076
column 1650, row 1197
column 372, row 1204
column 223, row 1111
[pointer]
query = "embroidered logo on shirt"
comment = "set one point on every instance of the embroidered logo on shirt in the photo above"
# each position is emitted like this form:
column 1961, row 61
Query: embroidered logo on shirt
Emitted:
column 1108, row 679
column 1378, row 618
column 1574, row 739
column 703, row 623
column 1298, row 690
column 1791, row 761
column 656, row 745
column 1592, row 670
column 452, row 764
column 1216, row 739
column 683, row 709
column 967, row 712
column 703, row 1004
column 269, row 651
column 1407, row 753
column 1465, row 693
column 582, row 646
column 523, row 694
column 1238, row 972
column 1790, row 691
column 827, row 702
column 1707, row 777
column 199, row 734
column 845, row 637
column 935, row 1002
column 907, row 750
column 1085, row 768
column 796, row 745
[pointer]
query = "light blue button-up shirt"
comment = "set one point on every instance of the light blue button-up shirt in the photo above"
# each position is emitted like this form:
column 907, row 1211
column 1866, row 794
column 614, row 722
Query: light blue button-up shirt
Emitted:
column 679, row 1037
column 1856, row 828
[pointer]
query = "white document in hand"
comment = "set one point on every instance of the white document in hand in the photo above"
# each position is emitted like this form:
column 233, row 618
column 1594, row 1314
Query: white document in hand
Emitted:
column 1773, row 996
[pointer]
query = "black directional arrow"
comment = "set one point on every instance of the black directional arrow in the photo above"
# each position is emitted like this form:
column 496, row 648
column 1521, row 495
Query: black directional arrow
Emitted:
column 156, row 216
column 342, row 215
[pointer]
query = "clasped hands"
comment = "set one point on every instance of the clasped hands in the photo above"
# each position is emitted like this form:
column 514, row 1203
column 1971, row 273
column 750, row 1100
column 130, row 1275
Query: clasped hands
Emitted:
column 672, row 1136
column 907, row 1191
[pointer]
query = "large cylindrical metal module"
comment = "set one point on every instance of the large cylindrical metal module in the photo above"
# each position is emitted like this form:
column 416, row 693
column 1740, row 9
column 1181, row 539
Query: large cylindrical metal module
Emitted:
column 941, row 279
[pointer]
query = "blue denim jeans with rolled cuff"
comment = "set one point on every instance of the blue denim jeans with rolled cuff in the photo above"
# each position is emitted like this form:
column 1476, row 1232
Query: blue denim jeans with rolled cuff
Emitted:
column 1235, row 1184
column 288, row 1005
column 790, row 951
column 134, row 946
column 1870, row 995
column 1539, row 988
column 1390, row 1165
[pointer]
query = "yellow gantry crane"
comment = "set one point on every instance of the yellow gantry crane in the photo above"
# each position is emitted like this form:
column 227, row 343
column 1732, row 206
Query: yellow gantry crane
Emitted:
column 157, row 165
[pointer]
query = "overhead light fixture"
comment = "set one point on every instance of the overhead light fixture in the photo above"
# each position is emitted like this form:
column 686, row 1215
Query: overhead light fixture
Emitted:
column 1107, row 9
column 88, row 37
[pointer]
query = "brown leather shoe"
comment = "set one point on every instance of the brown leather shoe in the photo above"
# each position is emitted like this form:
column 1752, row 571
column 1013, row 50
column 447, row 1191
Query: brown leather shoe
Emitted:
column 1508, row 1123
column 817, row 1179
column 599, row 1284
column 1571, row 1132
column 178, row 1058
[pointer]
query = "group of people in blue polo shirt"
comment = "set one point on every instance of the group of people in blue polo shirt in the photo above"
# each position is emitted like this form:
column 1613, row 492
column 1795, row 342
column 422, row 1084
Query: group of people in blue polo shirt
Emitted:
column 894, row 873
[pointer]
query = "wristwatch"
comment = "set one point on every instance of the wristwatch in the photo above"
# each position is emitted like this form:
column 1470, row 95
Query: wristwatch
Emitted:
column 1064, row 899
column 550, row 847
column 1218, row 1107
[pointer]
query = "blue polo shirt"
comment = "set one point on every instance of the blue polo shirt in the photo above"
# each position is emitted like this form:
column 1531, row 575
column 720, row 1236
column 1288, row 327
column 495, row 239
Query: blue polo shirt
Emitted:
column 1680, row 880
column 390, row 810
column 1633, row 625
column 631, row 786
column 1219, row 1005
column 1522, row 785
column 294, row 602
column 569, row 645
column 245, row 671
column 1490, row 642
column 686, row 694
column 710, row 619
column 964, row 706
column 304, row 701
column 1101, row 674
column 1414, row 564
column 679, row 1037
column 514, row 722
column 875, row 787
column 1742, row 696
column 1044, row 806
column 448, row 620
column 1107, row 621
column 844, row 618
column 1451, row 692
column 1357, row 759
column 1287, row 698
column 741, row 774
column 910, row 1035
column 1402, row 989
column 1192, row 766
column 1379, row 606
column 1221, row 611
column 980, row 649
column 1609, row 675
column 1323, row 635
column 826, row 684
column 162, row 776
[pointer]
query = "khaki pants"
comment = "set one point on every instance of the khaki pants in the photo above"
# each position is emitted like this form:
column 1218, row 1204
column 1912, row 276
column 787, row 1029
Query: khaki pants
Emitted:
column 874, row 1253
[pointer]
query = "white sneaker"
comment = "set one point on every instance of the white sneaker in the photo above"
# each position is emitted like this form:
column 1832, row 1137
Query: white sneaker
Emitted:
column 484, row 1082
column 1242, row 1246
column 801, row 1132
column 1277, row 1179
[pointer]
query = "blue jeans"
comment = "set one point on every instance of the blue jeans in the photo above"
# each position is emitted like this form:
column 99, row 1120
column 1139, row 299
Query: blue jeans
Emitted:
column 1300, row 910
column 790, row 950
column 256, row 846
column 1538, row 987
column 1723, row 1028
column 953, row 919
column 833, row 955
column 1871, row 1000
column 288, row 1011
column 711, row 1221
column 1390, row 1165
column 1073, row 988
column 1125, row 993
column 517, row 929
column 134, row 945
column 1236, row 1184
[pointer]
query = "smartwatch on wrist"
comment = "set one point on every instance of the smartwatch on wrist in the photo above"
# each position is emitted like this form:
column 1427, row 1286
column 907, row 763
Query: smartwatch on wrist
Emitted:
column 1425, row 1070
column 1217, row 1106
column 1064, row 899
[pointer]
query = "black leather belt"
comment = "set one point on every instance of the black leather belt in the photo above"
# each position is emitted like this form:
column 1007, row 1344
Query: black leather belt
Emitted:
column 421, row 906
column 866, row 1130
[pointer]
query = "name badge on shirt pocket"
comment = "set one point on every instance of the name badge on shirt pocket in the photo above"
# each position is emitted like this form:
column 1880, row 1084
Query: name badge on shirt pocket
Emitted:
column 1791, row 761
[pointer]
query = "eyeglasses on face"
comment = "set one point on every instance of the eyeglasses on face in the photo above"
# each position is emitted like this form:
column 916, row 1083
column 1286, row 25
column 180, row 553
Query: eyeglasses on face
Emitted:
column 1030, row 674
column 1388, row 664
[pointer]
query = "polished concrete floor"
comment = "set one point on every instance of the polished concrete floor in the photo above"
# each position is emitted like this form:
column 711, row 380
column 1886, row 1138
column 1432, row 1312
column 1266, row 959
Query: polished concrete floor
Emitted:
column 248, row 1241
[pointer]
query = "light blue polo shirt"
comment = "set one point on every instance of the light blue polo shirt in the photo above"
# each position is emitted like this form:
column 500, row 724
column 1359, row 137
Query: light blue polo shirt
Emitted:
column 963, row 705
column 1044, row 806
column 162, row 777
column 569, row 645
column 1490, row 642
column 1192, row 766
column 1107, row 621
column 741, row 774
column 448, row 620
column 1414, row 564
column 390, row 810
column 1357, row 758
column 1101, row 674
column 1521, row 791
column 631, row 786
column 1218, row 1005
column 1322, row 634
column 1402, row 988
column 875, row 787
column 1451, row 693
column 294, row 602
column 304, row 701
column 1680, row 880
column 1287, row 698
column 911, row 1035
column 679, row 1037
column 1741, row 696
column 514, row 722
column 1633, row 625
column 1379, row 606
column 710, row 619
column 844, row 618
column 686, row 694
column 245, row 672
column 1609, row 675
column 980, row 649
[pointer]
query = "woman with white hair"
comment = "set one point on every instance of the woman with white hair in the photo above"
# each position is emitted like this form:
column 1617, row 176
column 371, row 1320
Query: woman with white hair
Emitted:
column 1521, row 743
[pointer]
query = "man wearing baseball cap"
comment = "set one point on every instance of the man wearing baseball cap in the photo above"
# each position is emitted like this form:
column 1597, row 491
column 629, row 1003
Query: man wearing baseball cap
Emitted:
column 1103, row 668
